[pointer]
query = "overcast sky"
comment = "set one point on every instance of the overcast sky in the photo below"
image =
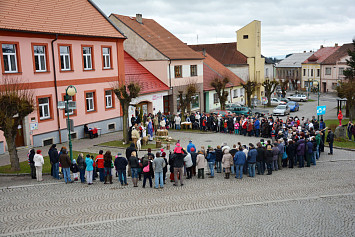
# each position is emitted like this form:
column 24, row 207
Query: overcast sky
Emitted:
column 287, row 26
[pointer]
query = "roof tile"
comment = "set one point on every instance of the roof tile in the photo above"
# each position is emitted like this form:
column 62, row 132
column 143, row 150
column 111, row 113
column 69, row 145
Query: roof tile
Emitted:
column 341, row 52
column 321, row 55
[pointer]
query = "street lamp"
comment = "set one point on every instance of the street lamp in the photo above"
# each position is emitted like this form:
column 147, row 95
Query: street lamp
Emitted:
column 69, row 92
column 317, row 84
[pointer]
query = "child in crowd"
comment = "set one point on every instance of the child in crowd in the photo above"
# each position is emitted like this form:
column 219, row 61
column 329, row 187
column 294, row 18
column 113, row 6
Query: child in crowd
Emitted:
column 74, row 169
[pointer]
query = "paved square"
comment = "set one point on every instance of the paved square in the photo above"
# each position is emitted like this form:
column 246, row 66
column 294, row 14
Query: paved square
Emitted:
column 316, row 201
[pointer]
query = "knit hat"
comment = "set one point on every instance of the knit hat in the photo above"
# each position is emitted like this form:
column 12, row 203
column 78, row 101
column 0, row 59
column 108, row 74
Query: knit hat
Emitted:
column 74, row 161
column 163, row 154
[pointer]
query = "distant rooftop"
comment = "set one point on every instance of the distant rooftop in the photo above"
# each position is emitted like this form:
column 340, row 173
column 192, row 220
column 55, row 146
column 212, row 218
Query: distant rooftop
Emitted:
column 294, row 60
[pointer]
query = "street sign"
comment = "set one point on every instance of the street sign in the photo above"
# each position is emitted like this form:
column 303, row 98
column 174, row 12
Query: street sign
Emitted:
column 72, row 105
column 61, row 105
column 321, row 110
column 70, row 125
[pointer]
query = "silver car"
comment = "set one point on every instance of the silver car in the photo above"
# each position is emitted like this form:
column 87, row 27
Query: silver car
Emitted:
column 281, row 110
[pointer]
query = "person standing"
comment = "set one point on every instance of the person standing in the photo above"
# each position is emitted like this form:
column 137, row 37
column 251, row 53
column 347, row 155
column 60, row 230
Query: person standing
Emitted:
column 260, row 159
column 89, row 169
column 32, row 163
column 301, row 148
column 177, row 121
column 211, row 159
column 309, row 151
column 150, row 129
column 219, row 155
column 239, row 161
column 147, row 170
column 349, row 128
column 201, row 164
column 252, row 154
column 178, row 159
column 193, row 158
column 158, row 166
column 275, row 157
column 53, row 158
column 269, row 159
column 120, row 165
column 65, row 163
column 330, row 140
column 189, row 146
column 291, row 151
column 38, row 162
column 100, row 165
column 81, row 165
column 188, row 165
column 227, row 162
column 108, row 167
column 281, row 152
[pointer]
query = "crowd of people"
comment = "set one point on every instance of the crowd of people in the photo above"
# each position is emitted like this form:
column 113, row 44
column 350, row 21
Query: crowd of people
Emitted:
column 283, row 144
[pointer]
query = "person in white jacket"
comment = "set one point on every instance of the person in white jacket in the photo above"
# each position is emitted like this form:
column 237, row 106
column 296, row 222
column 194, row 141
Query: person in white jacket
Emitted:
column 188, row 165
column 39, row 162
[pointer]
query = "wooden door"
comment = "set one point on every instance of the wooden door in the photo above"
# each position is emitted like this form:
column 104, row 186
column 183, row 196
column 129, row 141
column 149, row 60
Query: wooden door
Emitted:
column 20, row 137
column 166, row 104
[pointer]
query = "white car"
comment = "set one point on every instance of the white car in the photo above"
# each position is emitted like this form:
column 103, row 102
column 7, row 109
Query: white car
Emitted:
column 275, row 101
column 281, row 110
column 297, row 97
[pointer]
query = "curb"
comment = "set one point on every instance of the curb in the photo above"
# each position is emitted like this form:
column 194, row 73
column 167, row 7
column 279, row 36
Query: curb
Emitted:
column 20, row 174
column 342, row 148
column 116, row 147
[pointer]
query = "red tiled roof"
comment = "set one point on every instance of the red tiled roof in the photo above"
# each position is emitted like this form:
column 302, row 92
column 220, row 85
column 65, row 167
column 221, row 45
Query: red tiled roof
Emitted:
column 341, row 52
column 160, row 38
column 70, row 17
column 225, row 53
column 321, row 54
column 213, row 69
column 135, row 72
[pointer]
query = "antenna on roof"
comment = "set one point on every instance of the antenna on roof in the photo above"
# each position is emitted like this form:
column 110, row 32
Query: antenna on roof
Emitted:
column 197, row 38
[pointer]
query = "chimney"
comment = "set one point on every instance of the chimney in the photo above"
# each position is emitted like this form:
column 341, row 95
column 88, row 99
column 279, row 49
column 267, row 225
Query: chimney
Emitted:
column 336, row 45
column 321, row 46
column 204, row 52
column 139, row 18
column 304, row 51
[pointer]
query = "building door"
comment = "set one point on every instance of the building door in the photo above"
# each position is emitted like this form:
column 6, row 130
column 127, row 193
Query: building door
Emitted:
column 166, row 104
column 324, row 87
column 20, row 137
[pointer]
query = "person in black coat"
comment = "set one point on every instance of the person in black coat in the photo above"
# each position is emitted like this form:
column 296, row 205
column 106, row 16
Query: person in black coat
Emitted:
column 31, row 154
column 53, row 157
column 219, row 156
column 268, row 158
column 193, row 158
column 291, row 153
column 330, row 140
column 120, row 165
column 260, row 158
column 171, row 164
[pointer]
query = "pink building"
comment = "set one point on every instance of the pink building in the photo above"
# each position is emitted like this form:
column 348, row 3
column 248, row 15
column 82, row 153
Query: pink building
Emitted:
column 57, row 48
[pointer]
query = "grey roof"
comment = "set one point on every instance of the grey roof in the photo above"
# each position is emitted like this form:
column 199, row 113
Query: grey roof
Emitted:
column 294, row 60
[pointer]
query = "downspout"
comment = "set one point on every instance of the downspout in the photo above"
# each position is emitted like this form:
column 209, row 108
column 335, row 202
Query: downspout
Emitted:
column 55, row 87
column 172, row 91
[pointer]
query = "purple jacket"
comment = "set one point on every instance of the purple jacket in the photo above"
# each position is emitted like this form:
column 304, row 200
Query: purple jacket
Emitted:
column 301, row 147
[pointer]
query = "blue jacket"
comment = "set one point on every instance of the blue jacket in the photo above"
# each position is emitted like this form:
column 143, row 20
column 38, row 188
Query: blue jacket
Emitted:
column 89, row 162
column 252, row 154
column 239, row 158
column 211, row 157
column 189, row 146
column 309, row 147
column 257, row 124
column 281, row 148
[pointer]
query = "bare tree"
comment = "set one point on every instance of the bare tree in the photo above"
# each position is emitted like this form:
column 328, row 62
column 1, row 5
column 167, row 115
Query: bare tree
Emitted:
column 250, row 88
column 125, row 94
column 186, row 94
column 219, row 85
column 283, row 85
column 270, row 86
column 16, row 102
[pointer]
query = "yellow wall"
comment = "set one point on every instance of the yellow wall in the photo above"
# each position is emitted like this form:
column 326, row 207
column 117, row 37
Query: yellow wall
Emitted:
column 308, row 76
column 251, row 47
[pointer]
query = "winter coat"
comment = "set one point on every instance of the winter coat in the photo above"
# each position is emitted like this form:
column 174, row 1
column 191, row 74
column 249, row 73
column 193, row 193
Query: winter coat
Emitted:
column 158, row 164
column 200, row 161
column 261, row 154
column 252, row 154
column 211, row 157
column 53, row 155
column 31, row 156
column 120, row 163
column 309, row 147
column 188, row 160
column 219, row 154
column 133, row 162
column 281, row 148
column 268, row 156
column 178, row 160
column 257, row 124
column 275, row 153
column 330, row 137
column 193, row 158
column 189, row 146
column 130, row 149
column 38, row 160
column 240, row 158
column 227, row 160
column 74, row 168
column 291, row 150
column 100, row 161
column 108, row 161
column 81, row 162
column 89, row 164
column 64, row 160
column 301, row 147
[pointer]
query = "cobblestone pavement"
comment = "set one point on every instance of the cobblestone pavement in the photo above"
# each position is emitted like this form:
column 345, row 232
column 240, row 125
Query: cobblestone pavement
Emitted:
column 316, row 201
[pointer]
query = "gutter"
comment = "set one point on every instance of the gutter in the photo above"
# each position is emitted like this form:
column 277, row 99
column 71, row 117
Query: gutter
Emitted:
column 55, row 87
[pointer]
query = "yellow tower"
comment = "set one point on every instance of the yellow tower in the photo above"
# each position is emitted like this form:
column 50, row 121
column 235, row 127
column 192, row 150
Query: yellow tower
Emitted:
column 249, row 44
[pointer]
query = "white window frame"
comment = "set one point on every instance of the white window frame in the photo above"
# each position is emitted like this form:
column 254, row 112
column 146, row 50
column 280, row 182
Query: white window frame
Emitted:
column 42, row 106
column 106, row 57
column 341, row 71
column 7, row 56
column 191, row 71
column 90, row 102
column 108, row 99
column 87, row 57
column 71, row 111
column 328, row 69
column 39, row 56
column 215, row 98
column 66, row 59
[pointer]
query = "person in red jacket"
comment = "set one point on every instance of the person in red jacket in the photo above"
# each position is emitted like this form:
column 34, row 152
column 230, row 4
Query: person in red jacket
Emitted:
column 100, row 165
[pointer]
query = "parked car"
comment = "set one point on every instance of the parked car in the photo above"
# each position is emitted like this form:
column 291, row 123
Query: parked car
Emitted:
column 297, row 97
column 275, row 101
column 281, row 110
column 241, row 110
column 284, row 100
column 222, row 112
column 294, row 106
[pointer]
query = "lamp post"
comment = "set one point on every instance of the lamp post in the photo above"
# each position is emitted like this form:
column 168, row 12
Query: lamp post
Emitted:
column 70, row 91
column 317, row 83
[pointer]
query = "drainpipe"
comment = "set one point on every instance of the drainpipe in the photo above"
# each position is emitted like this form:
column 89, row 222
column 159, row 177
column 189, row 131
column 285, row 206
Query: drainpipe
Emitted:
column 172, row 91
column 55, row 87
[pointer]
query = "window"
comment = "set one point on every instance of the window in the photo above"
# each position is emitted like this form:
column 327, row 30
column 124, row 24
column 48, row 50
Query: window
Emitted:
column 65, row 58
column 245, row 36
column 9, row 58
column 195, row 101
column 341, row 71
column 90, row 105
column 44, row 108
column 111, row 126
column 70, row 111
column 108, row 97
column 106, row 58
column 318, row 72
column 40, row 58
column 215, row 98
column 304, row 72
column 334, row 86
column 311, row 72
column 87, row 58
column 193, row 70
column 328, row 71
column 235, row 93
column 178, row 71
